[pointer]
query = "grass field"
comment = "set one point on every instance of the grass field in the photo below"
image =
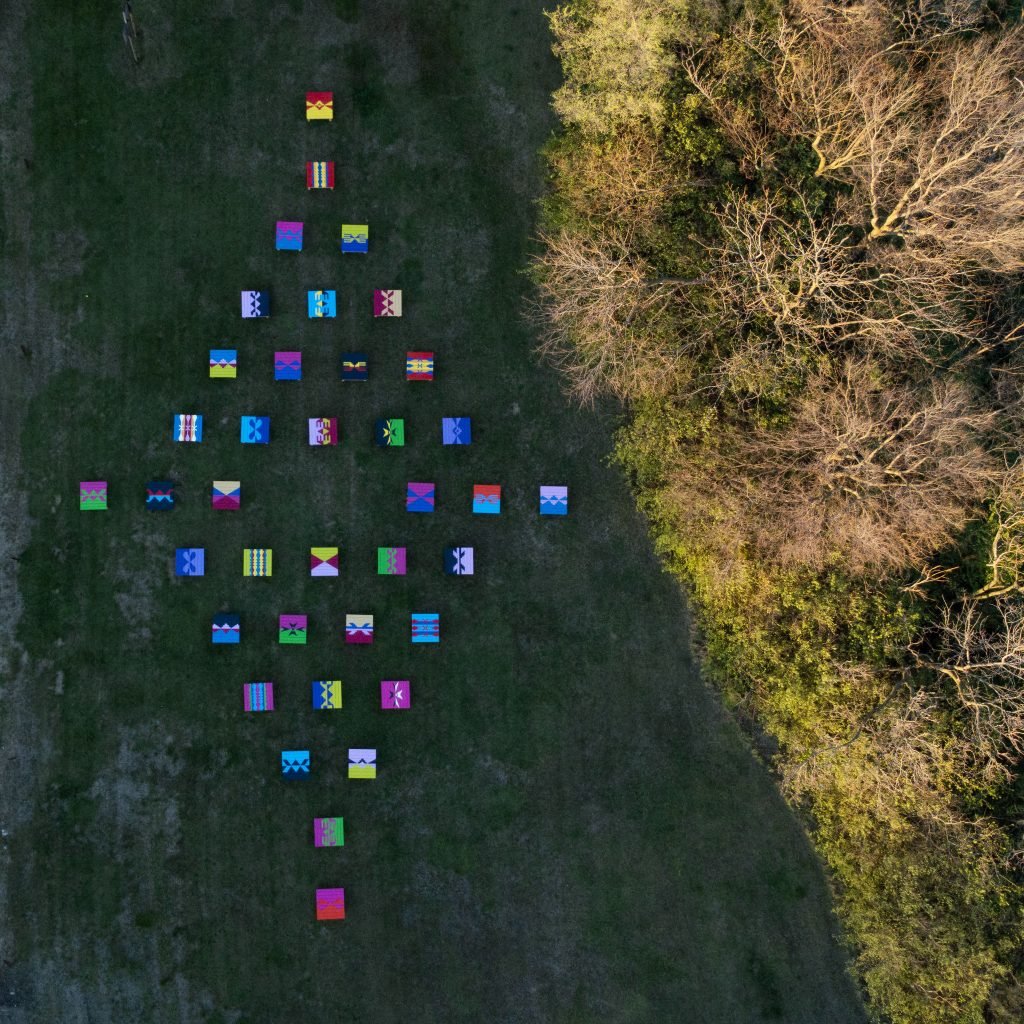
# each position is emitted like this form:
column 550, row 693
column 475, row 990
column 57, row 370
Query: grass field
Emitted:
column 565, row 827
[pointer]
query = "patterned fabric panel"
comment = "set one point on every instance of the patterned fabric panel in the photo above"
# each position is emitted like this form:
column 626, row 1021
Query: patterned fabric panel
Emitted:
column 224, row 362
column 226, row 629
column 326, row 694
column 295, row 764
column 159, row 496
column 395, row 694
column 419, row 497
column 289, row 235
column 426, row 628
column 188, row 427
column 323, row 431
column 362, row 763
column 354, row 366
column 456, row 430
column 319, row 106
column 227, row 495
column 287, row 366
column 458, row 561
column 323, row 561
column 292, row 629
column 92, row 495
column 554, row 501
column 358, row 628
column 258, row 696
column 258, row 562
column 355, row 238
column 387, row 303
column 320, row 174
column 389, row 433
column 328, row 831
column 330, row 904
column 255, row 305
column 487, row 499
column 190, row 562
column 419, row 366
column 390, row 561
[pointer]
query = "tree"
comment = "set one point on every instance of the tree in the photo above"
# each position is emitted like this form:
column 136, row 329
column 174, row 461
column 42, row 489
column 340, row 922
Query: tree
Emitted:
column 617, row 60
column 871, row 470
column 608, row 318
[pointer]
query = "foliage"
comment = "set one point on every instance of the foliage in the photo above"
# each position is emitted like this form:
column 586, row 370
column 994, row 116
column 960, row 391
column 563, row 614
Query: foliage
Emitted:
column 802, row 230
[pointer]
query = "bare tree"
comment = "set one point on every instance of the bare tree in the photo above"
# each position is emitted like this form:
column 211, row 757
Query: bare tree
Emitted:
column 929, row 132
column 607, row 316
column 979, row 649
column 1005, row 564
column 867, row 469
column 784, row 279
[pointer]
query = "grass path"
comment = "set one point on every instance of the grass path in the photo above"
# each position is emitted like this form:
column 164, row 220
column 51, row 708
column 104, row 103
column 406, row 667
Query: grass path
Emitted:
column 566, row 827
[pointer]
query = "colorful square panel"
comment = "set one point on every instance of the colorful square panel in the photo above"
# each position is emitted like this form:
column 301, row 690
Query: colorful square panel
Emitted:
column 323, row 561
column 387, row 303
column 487, row 499
column 257, row 562
column 419, row 365
column 419, row 497
column 322, row 304
column 255, row 430
column 226, row 628
column 319, row 106
column 389, row 433
column 295, row 764
column 190, row 562
column 355, row 238
column 258, row 696
column 159, row 496
column 289, row 235
column 362, row 762
column 456, row 430
column 255, row 305
column 323, row 431
column 320, row 174
column 395, row 694
column 458, row 561
column 92, row 496
column 224, row 363
column 358, row 628
column 292, row 629
column 328, row 831
column 354, row 366
column 330, row 904
column 227, row 495
column 390, row 561
column 188, row 427
column 327, row 694
column 426, row 628
column 554, row 501
column 287, row 366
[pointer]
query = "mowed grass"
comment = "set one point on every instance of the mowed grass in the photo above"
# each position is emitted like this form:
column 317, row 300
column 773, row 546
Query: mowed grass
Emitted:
column 565, row 826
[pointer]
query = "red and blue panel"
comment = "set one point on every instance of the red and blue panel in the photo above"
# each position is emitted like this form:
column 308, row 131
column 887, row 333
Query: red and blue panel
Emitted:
column 487, row 499
column 426, row 628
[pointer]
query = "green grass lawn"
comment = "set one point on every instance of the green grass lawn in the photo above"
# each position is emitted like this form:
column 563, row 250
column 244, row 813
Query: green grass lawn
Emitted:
column 565, row 826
